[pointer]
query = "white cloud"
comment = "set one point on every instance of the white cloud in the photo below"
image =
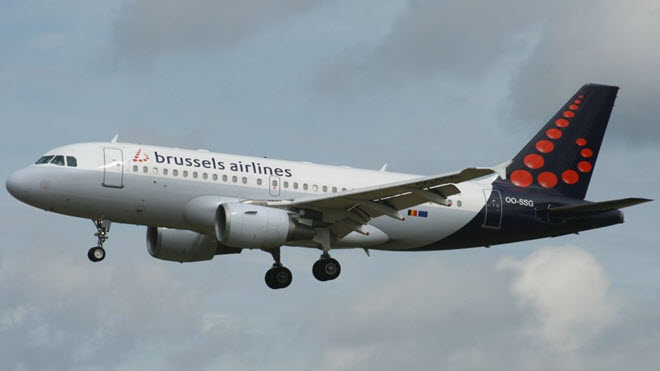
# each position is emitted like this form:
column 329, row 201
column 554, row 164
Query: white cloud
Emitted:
column 568, row 292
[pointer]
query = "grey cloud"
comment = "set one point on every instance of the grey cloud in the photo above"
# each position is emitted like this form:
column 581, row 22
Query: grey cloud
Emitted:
column 603, row 42
column 150, row 27
column 457, row 38
column 546, row 50
column 61, row 314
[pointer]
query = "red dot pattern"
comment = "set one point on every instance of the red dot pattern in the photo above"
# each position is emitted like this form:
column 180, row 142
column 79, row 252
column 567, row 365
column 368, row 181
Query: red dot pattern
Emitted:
column 553, row 133
column 570, row 177
column 521, row 178
column 534, row 161
column 545, row 146
column 584, row 166
column 547, row 179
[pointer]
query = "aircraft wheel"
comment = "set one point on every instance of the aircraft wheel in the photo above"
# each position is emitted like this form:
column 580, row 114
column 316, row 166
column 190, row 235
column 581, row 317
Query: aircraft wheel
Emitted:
column 326, row 269
column 278, row 278
column 96, row 254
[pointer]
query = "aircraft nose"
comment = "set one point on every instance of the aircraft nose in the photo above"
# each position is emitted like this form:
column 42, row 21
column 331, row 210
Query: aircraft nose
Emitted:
column 17, row 184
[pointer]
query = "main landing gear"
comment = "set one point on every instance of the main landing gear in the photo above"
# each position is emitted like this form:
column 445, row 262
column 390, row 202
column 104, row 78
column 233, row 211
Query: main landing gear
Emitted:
column 279, row 276
column 326, row 268
column 97, row 253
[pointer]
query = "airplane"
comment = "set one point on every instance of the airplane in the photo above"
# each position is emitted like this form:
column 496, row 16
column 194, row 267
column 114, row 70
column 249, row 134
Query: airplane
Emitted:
column 197, row 204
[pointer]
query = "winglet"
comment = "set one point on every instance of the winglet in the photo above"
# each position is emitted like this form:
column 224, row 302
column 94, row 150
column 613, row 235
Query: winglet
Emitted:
column 114, row 140
column 382, row 169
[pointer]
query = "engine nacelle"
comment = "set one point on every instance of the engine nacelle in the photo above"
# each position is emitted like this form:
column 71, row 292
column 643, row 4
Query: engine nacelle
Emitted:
column 250, row 226
column 183, row 246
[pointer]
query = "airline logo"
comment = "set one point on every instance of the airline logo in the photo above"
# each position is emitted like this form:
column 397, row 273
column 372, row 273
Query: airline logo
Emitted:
column 419, row 213
column 140, row 157
column 213, row 163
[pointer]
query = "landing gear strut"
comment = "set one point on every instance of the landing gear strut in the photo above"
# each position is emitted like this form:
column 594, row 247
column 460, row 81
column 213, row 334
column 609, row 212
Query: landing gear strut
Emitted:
column 278, row 277
column 97, row 253
column 326, row 268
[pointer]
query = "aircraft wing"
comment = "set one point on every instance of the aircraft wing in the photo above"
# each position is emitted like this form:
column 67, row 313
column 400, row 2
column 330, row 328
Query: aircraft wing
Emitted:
column 347, row 211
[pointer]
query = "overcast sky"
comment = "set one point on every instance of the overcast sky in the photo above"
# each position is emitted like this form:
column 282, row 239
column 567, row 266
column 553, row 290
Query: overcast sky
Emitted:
column 425, row 86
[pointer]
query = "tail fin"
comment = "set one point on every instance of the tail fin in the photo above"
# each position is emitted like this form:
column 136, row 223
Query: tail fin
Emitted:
column 562, row 156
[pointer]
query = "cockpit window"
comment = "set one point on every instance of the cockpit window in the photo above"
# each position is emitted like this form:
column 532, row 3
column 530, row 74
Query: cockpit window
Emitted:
column 58, row 160
column 71, row 161
column 44, row 160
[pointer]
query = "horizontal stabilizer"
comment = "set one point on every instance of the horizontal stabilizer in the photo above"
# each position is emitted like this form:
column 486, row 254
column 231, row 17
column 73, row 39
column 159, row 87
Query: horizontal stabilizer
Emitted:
column 594, row 207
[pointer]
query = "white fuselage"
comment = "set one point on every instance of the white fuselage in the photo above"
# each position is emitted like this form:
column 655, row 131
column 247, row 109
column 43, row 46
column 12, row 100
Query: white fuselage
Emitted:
column 154, row 186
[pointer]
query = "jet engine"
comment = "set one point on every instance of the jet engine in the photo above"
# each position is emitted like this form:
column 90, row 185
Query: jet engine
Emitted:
column 250, row 226
column 183, row 246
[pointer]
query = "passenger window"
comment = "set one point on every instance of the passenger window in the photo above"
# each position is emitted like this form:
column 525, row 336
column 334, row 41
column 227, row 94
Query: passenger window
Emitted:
column 325, row 188
column 295, row 185
column 155, row 171
column 234, row 179
column 286, row 184
column 135, row 168
column 195, row 174
column 215, row 176
column 164, row 171
column 175, row 172
column 334, row 189
column 315, row 188
column 224, row 178
column 44, row 160
column 259, row 181
column 305, row 186
column 145, row 169
column 205, row 176
column 244, row 180
column 71, row 161
column 275, row 183
column 343, row 189
column 185, row 173
column 58, row 160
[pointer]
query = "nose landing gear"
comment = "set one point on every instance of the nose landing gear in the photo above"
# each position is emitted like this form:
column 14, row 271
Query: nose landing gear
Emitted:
column 97, row 253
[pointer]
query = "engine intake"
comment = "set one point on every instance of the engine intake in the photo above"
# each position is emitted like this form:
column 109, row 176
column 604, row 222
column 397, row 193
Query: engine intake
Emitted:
column 183, row 246
column 249, row 226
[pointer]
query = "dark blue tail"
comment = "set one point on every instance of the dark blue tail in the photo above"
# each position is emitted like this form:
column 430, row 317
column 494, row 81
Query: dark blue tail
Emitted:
column 562, row 156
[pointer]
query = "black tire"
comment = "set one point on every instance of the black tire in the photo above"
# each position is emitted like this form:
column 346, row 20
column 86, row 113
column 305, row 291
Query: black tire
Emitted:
column 317, row 270
column 270, row 282
column 96, row 254
column 326, row 269
column 278, row 278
